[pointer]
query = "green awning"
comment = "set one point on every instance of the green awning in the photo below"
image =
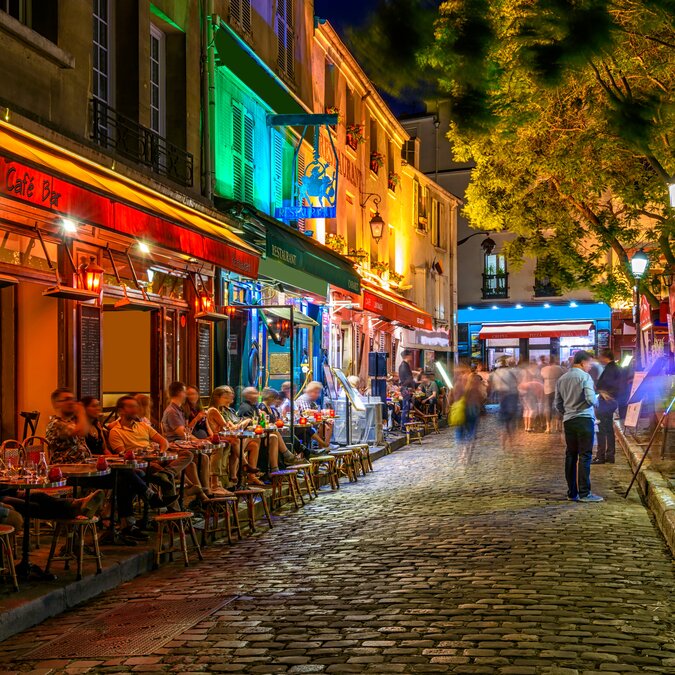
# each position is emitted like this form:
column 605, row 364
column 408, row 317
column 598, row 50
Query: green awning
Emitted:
column 242, row 61
column 299, row 318
column 299, row 252
column 297, row 278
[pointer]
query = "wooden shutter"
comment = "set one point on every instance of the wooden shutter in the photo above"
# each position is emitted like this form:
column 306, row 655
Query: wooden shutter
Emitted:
column 240, row 13
column 237, row 151
column 248, row 141
column 301, row 173
column 285, row 55
column 415, row 195
column 277, row 197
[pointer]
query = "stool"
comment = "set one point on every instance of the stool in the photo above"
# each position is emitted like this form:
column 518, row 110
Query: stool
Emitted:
column 218, row 518
column 414, row 429
column 249, row 495
column 290, row 477
column 360, row 463
column 75, row 527
column 365, row 456
column 331, row 464
column 172, row 523
column 345, row 464
column 307, row 479
column 7, row 554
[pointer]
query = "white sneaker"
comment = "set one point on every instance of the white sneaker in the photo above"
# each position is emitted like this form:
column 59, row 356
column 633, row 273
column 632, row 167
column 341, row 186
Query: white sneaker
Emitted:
column 590, row 497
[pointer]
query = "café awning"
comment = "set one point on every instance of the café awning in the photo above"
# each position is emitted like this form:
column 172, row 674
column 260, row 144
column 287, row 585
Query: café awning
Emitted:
column 300, row 319
column 302, row 255
column 45, row 175
column 394, row 307
column 535, row 330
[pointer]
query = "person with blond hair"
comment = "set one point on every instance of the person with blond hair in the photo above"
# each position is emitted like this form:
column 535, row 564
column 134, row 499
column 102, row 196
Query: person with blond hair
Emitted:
column 309, row 401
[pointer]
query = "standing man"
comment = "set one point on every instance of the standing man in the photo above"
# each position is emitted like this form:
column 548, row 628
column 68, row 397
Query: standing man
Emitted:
column 574, row 399
column 406, row 381
column 609, row 388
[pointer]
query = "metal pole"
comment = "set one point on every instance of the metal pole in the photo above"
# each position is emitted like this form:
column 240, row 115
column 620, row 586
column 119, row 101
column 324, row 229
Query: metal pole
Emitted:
column 638, row 331
column 292, row 367
column 649, row 445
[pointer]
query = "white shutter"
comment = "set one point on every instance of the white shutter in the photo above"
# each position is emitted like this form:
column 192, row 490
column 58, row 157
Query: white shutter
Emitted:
column 415, row 198
column 277, row 197
column 249, row 177
column 237, row 151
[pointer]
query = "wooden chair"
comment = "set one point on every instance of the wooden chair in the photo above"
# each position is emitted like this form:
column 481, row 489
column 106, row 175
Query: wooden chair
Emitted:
column 415, row 430
column 344, row 464
column 307, row 479
column 7, row 568
column 289, row 477
column 76, row 530
column 430, row 422
column 30, row 422
column 330, row 463
column 249, row 495
column 362, row 461
column 218, row 516
column 170, row 524
column 12, row 453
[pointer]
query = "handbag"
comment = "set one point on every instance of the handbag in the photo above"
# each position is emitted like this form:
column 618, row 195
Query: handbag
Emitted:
column 457, row 414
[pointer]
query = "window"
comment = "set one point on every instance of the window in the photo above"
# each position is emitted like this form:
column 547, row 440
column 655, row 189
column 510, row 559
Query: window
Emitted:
column 277, row 200
column 391, row 164
column 495, row 276
column 420, row 207
column 43, row 21
column 300, row 168
column 351, row 117
column 242, row 154
column 285, row 38
column 373, row 135
column 240, row 14
column 101, row 82
column 437, row 229
column 329, row 85
column 409, row 152
column 157, row 81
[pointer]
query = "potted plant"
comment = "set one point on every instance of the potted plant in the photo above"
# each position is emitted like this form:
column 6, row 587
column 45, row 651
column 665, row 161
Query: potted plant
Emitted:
column 380, row 267
column 358, row 255
column 395, row 278
column 394, row 181
column 376, row 161
column 355, row 136
column 336, row 242
column 334, row 110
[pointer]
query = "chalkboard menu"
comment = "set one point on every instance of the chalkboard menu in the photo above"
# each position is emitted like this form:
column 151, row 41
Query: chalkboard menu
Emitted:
column 603, row 339
column 89, row 361
column 204, row 354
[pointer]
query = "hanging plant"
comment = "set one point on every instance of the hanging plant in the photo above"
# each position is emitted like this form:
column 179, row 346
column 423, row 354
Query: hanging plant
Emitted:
column 336, row 242
column 380, row 267
column 334, row 110
column 394, row 181
column 355, row 136
column 376, row 161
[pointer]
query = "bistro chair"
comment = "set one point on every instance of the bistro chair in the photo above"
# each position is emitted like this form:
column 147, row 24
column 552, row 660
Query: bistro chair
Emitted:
column 362, row 461
column 414, row 430
column 249, row 495
column 329, row 463
column 344, row 464
column 30, row 422
column 218, row 516
column 7, row 537
column 75, row 530
column 12, row 453
column 289, row 477
column 430, row 422
column 305, row 472
column 172, row 524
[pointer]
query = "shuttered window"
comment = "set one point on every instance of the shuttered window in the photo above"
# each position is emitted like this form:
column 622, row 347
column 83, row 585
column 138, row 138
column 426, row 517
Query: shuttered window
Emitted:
column 242, row 154
column 240, row 14
column 285, row 38
column 301, row 173
column 277, row 170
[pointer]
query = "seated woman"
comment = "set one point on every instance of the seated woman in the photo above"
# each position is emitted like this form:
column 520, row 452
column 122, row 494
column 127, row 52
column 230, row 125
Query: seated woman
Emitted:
column 271, row 398
column 195, row 413
column 223, row 418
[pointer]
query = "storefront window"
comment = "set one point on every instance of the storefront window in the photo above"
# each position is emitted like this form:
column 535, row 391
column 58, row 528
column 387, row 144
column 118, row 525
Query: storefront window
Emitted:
column 16, row 249
column 155, row 280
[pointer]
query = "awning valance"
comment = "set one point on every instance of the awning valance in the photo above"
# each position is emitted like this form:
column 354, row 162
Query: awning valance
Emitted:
column 299, row 252
column 395, row 308
column 44, row 175
column 535, row 330
column 300, row 319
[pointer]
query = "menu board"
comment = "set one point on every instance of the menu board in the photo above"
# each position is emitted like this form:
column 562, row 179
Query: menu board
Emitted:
column 204, row 357
column 89, row 361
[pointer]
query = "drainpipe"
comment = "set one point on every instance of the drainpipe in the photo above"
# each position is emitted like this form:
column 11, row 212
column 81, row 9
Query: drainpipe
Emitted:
column 208, row 96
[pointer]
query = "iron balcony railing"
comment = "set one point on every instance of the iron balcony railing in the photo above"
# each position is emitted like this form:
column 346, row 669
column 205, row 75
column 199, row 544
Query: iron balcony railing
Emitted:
column 543, row 288
column 495, row 286
column 128, row 139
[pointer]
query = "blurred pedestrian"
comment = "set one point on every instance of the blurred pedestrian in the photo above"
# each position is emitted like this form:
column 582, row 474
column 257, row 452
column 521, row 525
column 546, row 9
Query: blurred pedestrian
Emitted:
column 551, row 373
column 609, row 386
column 504, row 383
column 407, row 385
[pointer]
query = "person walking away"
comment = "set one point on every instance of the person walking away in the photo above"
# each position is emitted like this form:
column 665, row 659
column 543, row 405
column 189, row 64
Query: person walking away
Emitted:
column 551, row 373
column 609, row 386
column 504, row 383
column 575, row 399
column 407, row 384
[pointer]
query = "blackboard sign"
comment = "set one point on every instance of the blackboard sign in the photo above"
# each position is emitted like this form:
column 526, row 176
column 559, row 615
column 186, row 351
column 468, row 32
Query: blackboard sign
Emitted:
column 204, row 352
column 89, row 361
column 603, row 339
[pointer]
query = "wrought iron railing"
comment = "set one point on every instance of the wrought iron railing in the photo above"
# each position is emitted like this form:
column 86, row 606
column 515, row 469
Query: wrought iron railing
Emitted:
column 495, row 286
column 131, row 140
column 543, row 288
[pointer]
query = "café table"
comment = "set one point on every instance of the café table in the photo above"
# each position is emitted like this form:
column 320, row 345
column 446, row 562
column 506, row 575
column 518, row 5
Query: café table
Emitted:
column 73, row 473
column 242, row 435
column 24, row 569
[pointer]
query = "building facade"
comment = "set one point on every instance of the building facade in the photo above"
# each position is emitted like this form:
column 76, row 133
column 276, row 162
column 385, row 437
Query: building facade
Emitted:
column 501, row 311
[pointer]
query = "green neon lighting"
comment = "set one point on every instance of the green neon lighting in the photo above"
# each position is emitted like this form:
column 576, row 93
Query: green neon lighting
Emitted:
column 160, row 15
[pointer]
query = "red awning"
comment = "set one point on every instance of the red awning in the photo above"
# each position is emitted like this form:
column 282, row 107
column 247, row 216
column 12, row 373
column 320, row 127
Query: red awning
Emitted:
column 395, row 308
column 535, row 330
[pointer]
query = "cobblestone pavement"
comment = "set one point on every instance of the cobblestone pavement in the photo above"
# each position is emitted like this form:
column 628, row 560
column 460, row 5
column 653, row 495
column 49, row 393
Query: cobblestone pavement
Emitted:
column 434, row 563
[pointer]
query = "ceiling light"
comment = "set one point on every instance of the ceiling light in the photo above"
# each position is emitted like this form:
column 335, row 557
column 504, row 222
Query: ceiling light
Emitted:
column 546, row 305
column 573, row 304
column 519, row 306
column 495, row 307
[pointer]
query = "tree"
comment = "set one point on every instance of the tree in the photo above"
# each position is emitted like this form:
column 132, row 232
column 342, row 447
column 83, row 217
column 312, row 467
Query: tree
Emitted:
column 566, row 109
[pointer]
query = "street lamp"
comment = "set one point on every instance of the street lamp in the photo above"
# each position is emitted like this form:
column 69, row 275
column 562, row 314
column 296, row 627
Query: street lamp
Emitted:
column 638, row 265
column 376, row 227
column 488, row 244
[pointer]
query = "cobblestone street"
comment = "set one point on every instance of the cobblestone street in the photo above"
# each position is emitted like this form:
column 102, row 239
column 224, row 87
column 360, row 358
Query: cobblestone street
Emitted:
column 433, row 563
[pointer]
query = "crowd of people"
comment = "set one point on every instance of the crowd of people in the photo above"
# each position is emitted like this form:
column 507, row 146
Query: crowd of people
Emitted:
column 76, row 432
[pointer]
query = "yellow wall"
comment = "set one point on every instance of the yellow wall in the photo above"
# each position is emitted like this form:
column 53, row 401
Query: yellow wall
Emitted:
column 126, row 352
column 37, row 352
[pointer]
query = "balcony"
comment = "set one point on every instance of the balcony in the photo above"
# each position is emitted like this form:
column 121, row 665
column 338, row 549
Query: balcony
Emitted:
column 544, row 288
column 128, row 139
column 495, row 286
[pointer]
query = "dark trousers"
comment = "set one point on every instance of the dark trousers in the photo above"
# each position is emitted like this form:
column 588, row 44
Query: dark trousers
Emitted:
column 129, row 485
column 606, row 440
column 405, row 410
column 579, row 441
column 43, row 506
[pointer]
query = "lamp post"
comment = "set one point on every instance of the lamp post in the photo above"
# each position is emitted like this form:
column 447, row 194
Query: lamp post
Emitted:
column 638, row 265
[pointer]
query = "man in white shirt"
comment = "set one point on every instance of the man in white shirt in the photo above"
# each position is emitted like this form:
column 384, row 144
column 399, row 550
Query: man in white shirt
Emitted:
column 551, row 373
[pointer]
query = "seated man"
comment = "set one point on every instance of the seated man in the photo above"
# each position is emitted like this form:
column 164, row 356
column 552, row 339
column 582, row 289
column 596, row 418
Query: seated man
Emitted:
column 130, row 433
column 175, row 427
column 276, row 445
column 66, row 432
column 309, row 401
column 429, row 388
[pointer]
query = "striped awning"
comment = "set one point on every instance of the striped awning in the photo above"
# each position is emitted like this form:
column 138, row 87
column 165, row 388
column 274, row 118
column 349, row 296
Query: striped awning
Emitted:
column 535, row 330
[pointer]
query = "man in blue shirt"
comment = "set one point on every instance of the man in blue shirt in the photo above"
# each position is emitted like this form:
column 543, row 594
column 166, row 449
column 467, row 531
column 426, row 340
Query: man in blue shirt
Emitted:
column 575, row 399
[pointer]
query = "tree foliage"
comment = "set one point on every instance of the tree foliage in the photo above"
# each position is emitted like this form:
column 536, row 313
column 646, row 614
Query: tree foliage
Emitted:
column 566, row 108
